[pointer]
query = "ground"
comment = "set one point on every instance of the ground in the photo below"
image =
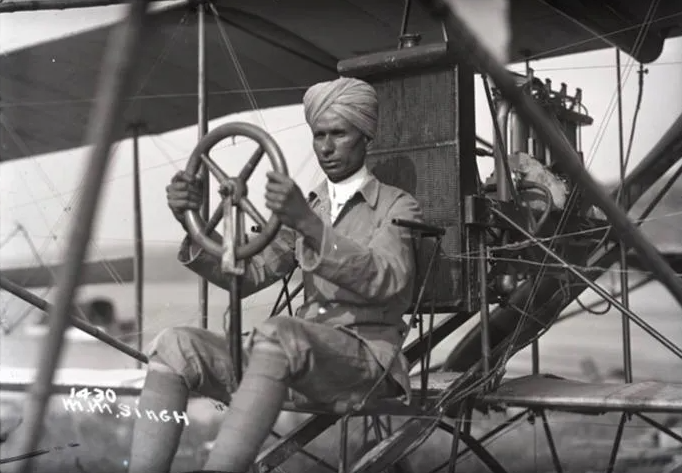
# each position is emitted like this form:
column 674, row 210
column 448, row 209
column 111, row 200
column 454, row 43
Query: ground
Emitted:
column 583, row 442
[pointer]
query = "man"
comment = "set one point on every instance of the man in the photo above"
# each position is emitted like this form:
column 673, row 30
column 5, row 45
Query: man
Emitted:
column 358, row 275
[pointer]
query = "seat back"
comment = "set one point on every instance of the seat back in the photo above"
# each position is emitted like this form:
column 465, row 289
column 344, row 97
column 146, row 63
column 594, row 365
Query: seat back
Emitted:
column 425, row 145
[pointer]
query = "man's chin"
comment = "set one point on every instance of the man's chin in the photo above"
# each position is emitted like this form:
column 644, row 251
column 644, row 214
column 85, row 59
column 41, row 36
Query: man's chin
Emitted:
column 336, row 175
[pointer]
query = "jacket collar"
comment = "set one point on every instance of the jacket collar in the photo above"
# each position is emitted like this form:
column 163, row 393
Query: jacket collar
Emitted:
column 369, row 191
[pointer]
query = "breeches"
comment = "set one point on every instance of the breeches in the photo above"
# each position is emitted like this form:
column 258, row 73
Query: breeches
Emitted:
column 326, row 364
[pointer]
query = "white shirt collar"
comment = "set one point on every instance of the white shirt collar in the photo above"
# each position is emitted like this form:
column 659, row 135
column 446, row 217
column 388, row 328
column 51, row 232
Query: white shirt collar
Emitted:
column 340, row 192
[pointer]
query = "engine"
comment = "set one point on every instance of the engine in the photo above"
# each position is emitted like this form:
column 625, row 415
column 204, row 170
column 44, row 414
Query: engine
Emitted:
column 527, row 176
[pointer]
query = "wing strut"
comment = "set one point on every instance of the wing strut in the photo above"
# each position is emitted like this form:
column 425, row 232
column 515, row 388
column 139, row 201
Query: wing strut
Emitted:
column 202, row 125
column 115, row 79
column 139, row 241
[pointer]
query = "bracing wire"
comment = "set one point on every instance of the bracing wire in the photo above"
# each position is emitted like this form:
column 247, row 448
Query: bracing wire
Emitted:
column 116, row 277
column 640, row 91
column 252, row 100
column 572, row 198
column 237, row 64
column 571, row 202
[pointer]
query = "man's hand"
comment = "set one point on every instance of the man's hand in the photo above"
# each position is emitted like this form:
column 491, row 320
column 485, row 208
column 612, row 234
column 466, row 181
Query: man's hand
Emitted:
column 183, row 193
column 285, row 199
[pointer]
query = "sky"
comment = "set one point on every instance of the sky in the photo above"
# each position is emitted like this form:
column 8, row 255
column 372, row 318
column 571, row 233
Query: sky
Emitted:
column 40, row 193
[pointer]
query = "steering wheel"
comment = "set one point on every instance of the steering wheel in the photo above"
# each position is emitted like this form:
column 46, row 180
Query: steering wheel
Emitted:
column 234, row 247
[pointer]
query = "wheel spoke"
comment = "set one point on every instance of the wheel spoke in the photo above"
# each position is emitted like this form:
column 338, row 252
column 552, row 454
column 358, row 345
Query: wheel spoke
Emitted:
column 251, row 164
column 215, row 220
column 219, row 174
column 248, row 207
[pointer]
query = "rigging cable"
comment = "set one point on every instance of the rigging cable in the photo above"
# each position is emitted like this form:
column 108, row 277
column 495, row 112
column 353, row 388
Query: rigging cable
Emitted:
column 67, row 206
column 640, row 93
column 573, row 197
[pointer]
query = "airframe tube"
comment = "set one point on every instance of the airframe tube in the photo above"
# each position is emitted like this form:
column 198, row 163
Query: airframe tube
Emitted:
column 501, row 151
column 115, row 79
column 13, row 6
column 569, row 160
column 202, row 123
column 625, row 291
column 43, row 305
column 139, row 242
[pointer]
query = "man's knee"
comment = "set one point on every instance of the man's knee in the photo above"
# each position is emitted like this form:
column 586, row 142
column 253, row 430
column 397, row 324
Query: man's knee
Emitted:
column 282, row 338
column 261, row 343
column 173, row 351
column 269, row 359
column 159, row 366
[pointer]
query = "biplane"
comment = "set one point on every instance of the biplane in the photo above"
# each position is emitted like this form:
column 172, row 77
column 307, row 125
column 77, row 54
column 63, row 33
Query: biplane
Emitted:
column 474, row 252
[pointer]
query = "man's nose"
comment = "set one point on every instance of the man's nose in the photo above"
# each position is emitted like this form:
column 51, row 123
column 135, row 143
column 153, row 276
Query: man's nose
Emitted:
column 328, row 146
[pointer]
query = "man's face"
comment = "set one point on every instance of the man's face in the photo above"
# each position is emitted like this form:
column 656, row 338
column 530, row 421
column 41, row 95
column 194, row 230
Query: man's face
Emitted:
column 339, row 146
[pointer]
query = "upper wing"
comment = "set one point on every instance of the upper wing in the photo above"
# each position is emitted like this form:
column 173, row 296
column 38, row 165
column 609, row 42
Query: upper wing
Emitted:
column 282, row 47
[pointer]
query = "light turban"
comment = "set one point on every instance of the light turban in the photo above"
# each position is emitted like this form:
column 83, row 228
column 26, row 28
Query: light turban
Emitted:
column 353, row 99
